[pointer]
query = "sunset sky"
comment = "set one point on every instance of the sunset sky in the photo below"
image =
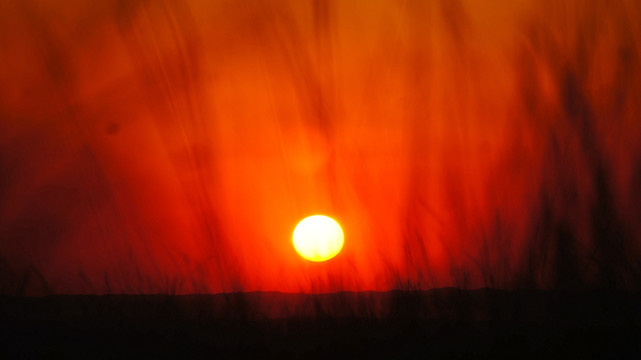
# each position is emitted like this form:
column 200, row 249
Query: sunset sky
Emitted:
column 172, row 146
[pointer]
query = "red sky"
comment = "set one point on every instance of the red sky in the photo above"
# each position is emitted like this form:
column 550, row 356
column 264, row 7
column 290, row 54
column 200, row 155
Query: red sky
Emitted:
column 172, row 146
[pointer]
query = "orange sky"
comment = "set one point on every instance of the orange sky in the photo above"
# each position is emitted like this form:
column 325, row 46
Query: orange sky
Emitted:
column 172, row 146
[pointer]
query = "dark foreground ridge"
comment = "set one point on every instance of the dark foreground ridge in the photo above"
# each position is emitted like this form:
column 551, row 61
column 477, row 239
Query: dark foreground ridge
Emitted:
column 440, row 323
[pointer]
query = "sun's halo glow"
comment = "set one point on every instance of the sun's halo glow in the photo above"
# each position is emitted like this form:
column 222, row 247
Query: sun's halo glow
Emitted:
column 318, row 238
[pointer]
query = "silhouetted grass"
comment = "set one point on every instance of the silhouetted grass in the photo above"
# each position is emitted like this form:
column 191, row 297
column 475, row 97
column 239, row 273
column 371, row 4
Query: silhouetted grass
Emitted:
column 442, row 322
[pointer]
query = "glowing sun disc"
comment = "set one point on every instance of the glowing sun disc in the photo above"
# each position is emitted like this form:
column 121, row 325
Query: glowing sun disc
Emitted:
column 318, row 238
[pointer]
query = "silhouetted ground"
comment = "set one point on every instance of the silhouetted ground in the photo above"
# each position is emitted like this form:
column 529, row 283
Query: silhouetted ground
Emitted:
column 441, row 323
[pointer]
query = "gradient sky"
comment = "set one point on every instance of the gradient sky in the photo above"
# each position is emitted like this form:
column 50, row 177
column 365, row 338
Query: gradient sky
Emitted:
column 172, row 146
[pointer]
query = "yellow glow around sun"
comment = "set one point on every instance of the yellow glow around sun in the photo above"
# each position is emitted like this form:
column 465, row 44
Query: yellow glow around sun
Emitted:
column 318, row 238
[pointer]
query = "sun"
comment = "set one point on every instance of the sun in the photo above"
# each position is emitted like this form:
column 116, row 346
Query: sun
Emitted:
column 318, row 238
